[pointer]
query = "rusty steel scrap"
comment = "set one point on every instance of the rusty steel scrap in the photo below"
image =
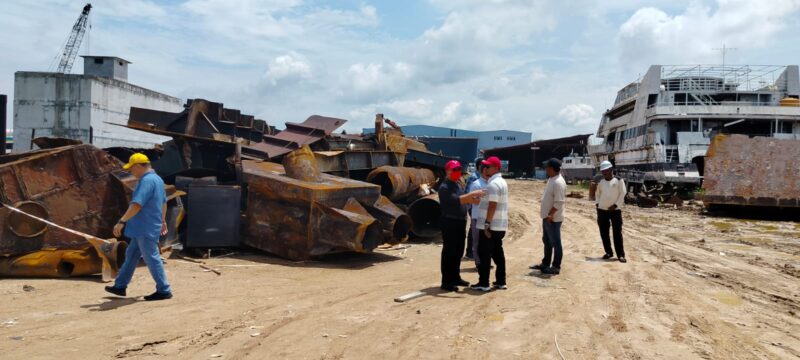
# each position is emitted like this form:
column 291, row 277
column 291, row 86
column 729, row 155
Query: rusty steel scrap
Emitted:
column 400, row 183
column 297, row 212
column 205, row 121
column 80, row 188
column 758, row 171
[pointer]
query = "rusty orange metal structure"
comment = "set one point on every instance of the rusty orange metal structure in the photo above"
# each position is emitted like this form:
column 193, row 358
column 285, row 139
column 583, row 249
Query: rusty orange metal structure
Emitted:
column 79, row 187
column 757, row 171
column 296, row 212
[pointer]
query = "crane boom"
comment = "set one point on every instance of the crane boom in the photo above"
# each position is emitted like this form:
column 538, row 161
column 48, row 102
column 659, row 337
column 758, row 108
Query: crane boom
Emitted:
column 74, row 42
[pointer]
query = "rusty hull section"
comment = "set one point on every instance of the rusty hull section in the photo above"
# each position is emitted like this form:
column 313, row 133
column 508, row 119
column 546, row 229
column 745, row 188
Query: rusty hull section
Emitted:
column 77, row 186
column 758, row 171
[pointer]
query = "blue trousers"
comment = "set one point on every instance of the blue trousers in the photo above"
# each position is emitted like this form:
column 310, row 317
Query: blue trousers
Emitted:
column 551, row 237
column 147, row 249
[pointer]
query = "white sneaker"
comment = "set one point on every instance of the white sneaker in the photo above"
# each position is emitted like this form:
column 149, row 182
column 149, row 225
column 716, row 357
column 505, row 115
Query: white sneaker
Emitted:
column 480, row 288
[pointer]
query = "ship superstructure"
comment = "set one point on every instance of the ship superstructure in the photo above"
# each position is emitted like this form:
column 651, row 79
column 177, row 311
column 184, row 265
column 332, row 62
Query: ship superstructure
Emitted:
column 659, row 128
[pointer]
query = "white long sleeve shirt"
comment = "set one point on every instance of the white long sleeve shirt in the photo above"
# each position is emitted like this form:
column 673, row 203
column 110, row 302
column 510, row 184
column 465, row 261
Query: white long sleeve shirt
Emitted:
column 610, row 192
column 554, row 196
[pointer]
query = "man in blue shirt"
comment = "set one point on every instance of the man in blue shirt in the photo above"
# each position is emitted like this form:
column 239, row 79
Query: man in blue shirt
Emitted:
column 143, row 224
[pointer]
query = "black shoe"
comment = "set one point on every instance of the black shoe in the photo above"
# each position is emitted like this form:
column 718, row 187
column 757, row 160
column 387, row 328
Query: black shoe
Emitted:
column 622, row 260
column 452, row 288
column 537, row 267
column 497, row 285
column 480, row 287
column 551, row 271
column 462, row 283
column 158, row 296
column 116, row 291
column 607, row 256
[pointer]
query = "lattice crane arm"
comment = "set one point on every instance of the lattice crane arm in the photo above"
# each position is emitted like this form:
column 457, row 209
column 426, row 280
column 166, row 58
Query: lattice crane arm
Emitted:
column 73, row 44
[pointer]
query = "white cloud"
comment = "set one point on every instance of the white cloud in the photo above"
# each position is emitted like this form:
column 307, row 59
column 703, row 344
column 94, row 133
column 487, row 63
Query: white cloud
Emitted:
column 651, row 35
column 290, row 67
column 581, row 116
column 369, row 82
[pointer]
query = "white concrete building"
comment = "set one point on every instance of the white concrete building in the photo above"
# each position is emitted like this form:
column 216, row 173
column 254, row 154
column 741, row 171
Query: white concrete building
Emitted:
column 84, row 107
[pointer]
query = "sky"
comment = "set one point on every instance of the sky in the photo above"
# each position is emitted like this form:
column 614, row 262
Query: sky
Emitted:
column 548, row 67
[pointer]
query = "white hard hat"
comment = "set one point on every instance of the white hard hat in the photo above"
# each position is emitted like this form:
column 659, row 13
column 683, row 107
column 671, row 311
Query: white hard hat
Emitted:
column 605, row 165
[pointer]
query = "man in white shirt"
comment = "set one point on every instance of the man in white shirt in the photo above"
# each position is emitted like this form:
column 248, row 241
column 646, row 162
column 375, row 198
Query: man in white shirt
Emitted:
column 610, row 196
column 552, row 214
column 492, row 224
column 472, row 239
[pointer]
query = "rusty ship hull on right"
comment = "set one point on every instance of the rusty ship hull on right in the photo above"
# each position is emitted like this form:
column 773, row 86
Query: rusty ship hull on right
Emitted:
column 660, row 128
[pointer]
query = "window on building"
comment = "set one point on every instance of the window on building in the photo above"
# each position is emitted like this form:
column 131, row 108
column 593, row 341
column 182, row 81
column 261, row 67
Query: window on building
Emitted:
column 498, row 138
column 569, row 161
column 98, row 60
column 511, row 138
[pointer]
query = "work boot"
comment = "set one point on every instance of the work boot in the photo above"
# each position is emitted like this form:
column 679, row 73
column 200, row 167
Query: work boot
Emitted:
column 462, row 282
column 158, row 296
column 116, row 291
column 551, row 271
column 607, row 256
column 451, row 288
column 622, row 260
column 537, row 267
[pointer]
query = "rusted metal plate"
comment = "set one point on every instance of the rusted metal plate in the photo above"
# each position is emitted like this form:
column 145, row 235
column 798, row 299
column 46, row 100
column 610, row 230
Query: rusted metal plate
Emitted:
column 758, row 171
column 77, row 187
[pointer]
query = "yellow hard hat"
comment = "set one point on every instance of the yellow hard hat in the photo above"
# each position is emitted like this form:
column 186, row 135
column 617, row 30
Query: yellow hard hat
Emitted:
column 137, row 158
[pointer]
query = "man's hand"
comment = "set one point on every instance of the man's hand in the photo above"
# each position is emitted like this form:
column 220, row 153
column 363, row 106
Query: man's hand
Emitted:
column 476, row 196
column 487, row 232
column 118, row 229
column 550, row 218
column 163, row 228
column 612, row 207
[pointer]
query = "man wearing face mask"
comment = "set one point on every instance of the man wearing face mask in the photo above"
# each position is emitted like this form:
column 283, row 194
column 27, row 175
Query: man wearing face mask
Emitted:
column 454, row 202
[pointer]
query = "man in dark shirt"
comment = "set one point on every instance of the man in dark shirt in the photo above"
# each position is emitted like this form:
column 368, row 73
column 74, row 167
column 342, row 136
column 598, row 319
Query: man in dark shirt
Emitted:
column 454, row 204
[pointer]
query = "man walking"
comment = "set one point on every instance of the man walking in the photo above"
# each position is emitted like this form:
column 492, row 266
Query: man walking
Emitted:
column 492, row 224
column 552, row 213
column 610, row 197
column 453, row 201
column 472, row 238
column 143, row 223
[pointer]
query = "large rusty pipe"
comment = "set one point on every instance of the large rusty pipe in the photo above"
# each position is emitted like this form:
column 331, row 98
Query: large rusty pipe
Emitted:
column 398, row 183
column 425, row 215
column 396, row 223
column 337, row 230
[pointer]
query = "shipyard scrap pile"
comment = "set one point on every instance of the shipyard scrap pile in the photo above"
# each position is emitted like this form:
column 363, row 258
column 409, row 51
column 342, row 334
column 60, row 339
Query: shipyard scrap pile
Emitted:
column 299, row 193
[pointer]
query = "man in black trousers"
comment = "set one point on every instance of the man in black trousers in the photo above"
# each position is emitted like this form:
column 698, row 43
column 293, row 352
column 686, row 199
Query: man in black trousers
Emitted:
column 453, row 204
column 610, row 197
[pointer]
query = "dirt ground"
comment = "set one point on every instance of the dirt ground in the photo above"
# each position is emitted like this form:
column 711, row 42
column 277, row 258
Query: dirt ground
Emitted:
column 695, row 286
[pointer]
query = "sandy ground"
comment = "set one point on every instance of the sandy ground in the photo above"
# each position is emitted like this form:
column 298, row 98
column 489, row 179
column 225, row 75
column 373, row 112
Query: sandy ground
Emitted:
column 694, row 287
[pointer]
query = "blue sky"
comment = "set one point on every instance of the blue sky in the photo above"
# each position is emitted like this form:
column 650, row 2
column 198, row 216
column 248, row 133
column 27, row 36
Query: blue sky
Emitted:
column 549, row 67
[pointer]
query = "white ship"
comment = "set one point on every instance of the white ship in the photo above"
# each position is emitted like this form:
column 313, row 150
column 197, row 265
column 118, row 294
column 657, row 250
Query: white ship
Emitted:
column 659, row 128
